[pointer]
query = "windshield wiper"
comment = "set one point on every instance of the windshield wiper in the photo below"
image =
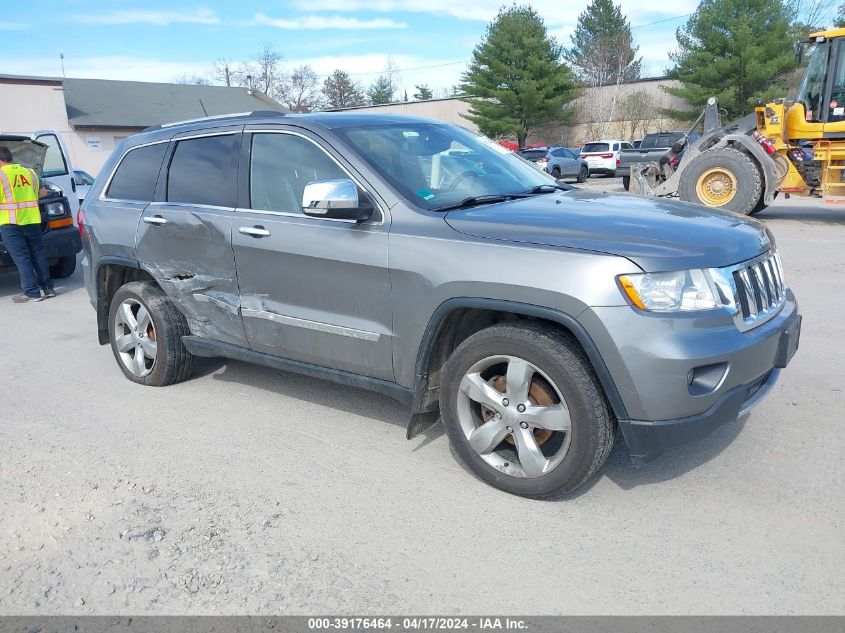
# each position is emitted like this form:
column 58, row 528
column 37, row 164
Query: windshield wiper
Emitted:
column 474, row 201
column 549, row 188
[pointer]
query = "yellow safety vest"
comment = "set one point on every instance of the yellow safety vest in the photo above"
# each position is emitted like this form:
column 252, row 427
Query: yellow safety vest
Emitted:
column 18, row 195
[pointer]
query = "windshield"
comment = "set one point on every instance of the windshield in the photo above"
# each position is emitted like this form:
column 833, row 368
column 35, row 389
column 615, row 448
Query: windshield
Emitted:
column 812, row 87
column 438, row 165
column 595, row 147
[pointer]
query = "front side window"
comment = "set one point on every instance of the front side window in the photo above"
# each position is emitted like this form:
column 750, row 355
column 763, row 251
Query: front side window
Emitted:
column 436, row 165
column 202, row 171
column 54, row 160
column 811, row 93
column 136, row 176
column 280, row 167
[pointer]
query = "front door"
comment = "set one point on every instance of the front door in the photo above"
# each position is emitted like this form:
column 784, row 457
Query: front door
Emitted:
column 185, row 236
column 312, row 290
column 58, row 168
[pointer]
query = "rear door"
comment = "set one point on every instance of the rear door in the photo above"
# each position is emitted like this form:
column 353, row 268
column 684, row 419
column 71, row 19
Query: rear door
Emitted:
column 185, row 235
column 58, row 168
column 313, row 290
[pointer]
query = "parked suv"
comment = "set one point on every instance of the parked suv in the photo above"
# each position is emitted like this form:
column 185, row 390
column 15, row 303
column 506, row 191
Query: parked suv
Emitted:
column 603, row 156
column 534, row 317
column 560, row 162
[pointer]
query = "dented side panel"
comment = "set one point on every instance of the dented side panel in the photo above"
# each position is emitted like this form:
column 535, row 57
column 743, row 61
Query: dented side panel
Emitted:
column 190, row 256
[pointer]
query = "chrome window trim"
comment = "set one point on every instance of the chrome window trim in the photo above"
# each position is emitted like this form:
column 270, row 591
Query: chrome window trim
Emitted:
column 302, row 215
column 307, row 324
column 163, row 203
column 103, row 197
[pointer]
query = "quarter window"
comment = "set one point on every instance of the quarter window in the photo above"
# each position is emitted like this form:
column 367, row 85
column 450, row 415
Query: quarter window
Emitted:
column 281, row 166
column 136, row 176
column 202, row 171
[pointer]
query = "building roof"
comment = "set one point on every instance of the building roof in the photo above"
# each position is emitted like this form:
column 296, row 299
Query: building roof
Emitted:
column 137, row 104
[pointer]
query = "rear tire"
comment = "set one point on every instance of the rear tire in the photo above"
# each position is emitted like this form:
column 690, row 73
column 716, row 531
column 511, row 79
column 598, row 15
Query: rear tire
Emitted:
column 626, row 182
column 558, row 368
column 724, row 179
column 556, row 173
column 145, row 332
column 583, row 174
column 65, row 267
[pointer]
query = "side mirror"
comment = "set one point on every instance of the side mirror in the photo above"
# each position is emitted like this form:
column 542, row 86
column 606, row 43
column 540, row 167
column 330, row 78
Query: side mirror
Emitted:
column 335, row 198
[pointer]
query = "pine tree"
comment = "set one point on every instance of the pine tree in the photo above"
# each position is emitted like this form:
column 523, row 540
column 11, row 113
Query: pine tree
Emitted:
column 515, row 80
column 735, row 50
column 341, row 92
column 603, row 50
column 423, row 93
column 381, row 91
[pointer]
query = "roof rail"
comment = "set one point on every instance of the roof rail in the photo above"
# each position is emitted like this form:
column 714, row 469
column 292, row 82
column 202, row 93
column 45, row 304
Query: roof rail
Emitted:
column 234, row 115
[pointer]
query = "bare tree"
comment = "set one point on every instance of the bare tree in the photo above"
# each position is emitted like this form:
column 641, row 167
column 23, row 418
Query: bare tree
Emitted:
column 191, row 80
column 226, row 73
column 640, row 114
column 299, row 90
column 262, row 73
column 813, row 13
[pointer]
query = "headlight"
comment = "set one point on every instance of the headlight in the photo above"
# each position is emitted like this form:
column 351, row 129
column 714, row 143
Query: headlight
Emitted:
column 55, row 208
column 682, row 291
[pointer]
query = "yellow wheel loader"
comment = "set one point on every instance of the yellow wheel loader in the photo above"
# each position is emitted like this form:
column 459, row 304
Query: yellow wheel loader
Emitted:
column 790, row 147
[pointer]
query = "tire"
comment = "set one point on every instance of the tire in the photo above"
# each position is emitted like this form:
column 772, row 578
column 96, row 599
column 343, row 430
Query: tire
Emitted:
column 723, row 165
column 558, row 367
column 583, row 174
column 65, row 267
column 626, row 182
column 556, row 173
column 166, row 326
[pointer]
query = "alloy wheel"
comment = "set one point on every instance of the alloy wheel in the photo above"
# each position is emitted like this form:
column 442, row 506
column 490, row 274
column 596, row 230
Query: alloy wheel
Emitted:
column 514, row 416
column 135, row 337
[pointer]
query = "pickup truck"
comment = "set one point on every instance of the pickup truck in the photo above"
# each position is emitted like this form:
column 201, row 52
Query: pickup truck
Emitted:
column 651, row 149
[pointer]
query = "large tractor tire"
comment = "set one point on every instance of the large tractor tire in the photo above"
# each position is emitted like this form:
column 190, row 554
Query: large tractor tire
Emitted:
column 723, row 179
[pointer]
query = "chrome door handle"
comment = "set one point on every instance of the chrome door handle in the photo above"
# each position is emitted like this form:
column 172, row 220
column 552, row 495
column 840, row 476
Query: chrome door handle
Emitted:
column 255, row 231
column 155, row 219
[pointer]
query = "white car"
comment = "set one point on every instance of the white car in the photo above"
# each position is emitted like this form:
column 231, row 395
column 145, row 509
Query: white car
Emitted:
column 603, row 156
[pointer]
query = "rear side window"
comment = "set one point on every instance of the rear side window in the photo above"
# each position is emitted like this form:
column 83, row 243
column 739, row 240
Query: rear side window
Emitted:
column 202, row 171
column 136, row 176
column 595, row 147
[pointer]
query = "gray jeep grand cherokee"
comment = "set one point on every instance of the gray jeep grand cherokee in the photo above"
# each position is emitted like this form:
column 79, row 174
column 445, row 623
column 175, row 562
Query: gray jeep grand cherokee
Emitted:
column 418, row 260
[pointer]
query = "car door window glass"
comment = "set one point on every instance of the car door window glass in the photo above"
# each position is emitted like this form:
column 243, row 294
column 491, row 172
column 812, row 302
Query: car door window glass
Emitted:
column 136, row 176
column 202, row 171
column 616, row 147
column 281, row 166
column 54, row 160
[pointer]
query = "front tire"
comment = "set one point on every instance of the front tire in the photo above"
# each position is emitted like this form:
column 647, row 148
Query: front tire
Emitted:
column 724, row 179
column 626, row 182
column 145, row 331
column 524, row 411
column 65, row 267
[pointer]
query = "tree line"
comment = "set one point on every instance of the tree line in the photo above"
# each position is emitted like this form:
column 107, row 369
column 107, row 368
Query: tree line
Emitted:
column 301, row 89
column 520, row 78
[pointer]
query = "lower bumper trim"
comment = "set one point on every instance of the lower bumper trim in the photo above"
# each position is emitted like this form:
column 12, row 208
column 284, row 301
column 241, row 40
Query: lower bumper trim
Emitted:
column 647, row 439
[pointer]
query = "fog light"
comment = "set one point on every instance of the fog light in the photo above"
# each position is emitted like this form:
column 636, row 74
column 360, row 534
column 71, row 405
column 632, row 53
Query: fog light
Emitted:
column 706, row 378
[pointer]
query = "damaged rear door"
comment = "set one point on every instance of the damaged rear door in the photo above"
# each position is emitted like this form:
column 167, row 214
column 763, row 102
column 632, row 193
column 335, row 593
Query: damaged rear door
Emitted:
column 185, row 235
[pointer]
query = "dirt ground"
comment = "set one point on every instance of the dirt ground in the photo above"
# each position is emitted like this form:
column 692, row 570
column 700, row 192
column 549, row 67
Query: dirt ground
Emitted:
column 247, row 490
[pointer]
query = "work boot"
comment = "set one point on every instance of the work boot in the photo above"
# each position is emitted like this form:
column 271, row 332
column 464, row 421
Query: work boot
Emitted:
column 49, row 293
column 23, row 298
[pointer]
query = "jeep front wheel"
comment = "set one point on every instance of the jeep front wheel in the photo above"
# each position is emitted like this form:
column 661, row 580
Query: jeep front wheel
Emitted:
column 145, row 331
column 524, row 411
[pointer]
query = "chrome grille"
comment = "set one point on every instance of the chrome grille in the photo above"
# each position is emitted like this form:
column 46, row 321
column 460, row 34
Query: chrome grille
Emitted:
column 760, row 290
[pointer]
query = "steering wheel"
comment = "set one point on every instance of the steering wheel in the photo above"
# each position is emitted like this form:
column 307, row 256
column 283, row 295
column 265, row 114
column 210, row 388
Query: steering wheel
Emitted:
column 461, row 177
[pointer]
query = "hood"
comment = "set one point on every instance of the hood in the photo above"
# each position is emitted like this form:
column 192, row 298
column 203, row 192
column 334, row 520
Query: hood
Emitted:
column 25, row 151
column 657, row 234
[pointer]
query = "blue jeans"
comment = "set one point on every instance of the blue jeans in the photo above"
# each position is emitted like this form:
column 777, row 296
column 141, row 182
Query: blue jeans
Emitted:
column 26, row 248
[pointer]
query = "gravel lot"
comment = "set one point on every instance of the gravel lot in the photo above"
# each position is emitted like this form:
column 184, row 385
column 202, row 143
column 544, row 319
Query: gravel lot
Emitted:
column 248, row 490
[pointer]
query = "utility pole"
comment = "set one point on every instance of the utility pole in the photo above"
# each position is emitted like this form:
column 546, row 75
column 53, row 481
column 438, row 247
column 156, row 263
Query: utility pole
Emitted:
column 62, row 61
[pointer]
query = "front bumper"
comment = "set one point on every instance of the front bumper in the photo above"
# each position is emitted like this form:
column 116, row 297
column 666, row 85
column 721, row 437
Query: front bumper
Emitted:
column 656, row 362
column 58, row 243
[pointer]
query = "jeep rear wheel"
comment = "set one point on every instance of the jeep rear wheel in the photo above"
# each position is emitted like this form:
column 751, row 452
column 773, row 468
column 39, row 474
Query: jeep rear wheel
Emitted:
column 145, row 331
column 524, row 411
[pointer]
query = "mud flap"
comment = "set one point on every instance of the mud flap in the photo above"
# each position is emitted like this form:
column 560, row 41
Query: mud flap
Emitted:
column 420, row 422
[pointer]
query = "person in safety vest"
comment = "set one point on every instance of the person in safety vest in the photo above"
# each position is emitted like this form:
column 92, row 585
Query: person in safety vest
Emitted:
column 20, row 227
